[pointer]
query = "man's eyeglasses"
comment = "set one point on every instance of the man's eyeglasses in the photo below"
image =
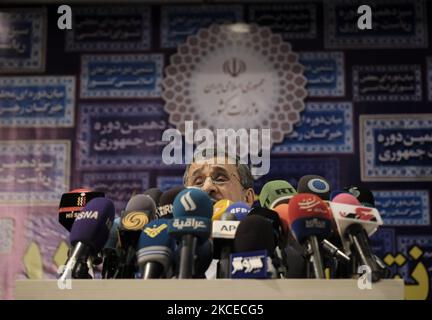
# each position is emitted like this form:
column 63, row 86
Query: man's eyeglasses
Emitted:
column 218, row 179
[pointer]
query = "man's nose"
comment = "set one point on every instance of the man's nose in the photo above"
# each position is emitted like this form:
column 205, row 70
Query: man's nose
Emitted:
column 208, row 186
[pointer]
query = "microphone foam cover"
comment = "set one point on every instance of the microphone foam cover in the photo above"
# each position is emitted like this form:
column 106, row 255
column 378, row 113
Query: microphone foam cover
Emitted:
column 254, row 233
column 139, row 211
column 314, row 184
column 276, row 192
column 309, row 215
column 219, row 208
column 155, row 233
column 334, row 193
column 282, row 211
column 142, row 202
column 346, row 198
column 153, row 193
column 93, row 224
column 269, row 215
column 166, row 201
column 192, row 202
column 239, row 209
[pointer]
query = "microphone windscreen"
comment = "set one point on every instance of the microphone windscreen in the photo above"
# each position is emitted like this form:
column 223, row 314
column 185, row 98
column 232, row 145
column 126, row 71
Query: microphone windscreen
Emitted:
column 192, row 202
column 269, row 215
column 153, row 193
column 72, row 202
column 93, row 224
column 364, row 195
column 334, row 193
column 155, row 233
column 240, row 209
column 282, row 211
column 166, row 201
column 276, row 192
column 155, row 245
column 308, row 215
column 142, row 202
column 254, row 233
column 346, row 198
column 139, row 211
column 314, row 184
column 219, row 208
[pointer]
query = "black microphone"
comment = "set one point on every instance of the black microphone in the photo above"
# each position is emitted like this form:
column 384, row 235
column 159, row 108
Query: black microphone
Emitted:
column 255, row 233
column 314, row 184
column 165, row 203
column 89, row 233
column 279, row 258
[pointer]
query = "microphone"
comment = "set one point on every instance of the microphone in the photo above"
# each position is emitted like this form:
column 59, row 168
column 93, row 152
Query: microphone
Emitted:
column 154, row 254
column 219, row 208
column 239, row 209
column 155, row 194
column 110, row 253
column 254, row 233
column 279, row 258
column 363, row 195
column 310, row 222
column 276, row 192
column 255, row 244
column 282, row 211
column 204, row 259
column 355, row 225
column 192, row 211
column 334, row 193
column 71, row 204
column 314, row 184
column 165, row 203
column 140, row 209
column 89, row 233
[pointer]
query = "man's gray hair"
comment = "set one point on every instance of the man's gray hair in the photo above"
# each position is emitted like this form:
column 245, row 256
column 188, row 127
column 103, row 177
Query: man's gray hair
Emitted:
column 243, row 170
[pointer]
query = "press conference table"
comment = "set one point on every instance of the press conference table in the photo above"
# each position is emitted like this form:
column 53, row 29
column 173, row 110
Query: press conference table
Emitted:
column 196, row 289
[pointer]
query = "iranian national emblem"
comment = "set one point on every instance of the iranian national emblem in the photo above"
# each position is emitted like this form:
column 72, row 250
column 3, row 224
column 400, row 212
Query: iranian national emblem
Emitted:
column 235, row 76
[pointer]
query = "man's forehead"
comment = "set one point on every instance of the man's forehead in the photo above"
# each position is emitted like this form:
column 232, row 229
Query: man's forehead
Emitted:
column 212, row 164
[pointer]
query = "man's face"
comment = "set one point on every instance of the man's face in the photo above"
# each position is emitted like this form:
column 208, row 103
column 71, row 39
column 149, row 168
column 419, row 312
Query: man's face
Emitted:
column 219, row 179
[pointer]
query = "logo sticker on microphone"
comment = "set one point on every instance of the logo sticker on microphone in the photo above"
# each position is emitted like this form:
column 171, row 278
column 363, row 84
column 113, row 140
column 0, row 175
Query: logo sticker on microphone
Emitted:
column 318, row 185
column 87, row 215
column 187, row 202
column 152, row 232
column 249, row 265
column 135, row 220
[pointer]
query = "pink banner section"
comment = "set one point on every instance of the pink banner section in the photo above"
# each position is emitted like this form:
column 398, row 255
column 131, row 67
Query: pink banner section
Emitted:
column 13, row 221
column 32, row 244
